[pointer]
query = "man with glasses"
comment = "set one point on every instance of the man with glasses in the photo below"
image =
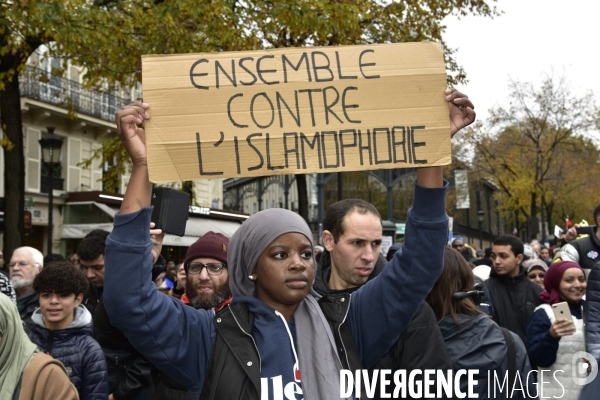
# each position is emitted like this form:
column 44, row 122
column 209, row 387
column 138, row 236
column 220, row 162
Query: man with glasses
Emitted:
column 25, row 264
column 207, row 278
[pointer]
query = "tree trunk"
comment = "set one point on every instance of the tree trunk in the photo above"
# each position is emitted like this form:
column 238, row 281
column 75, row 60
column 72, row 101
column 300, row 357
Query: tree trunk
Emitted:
column 14, row 167
column 302, row 196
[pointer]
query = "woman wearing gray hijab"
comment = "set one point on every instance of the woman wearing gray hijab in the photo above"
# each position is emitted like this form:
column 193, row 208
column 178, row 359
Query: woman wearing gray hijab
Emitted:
column 275, row 340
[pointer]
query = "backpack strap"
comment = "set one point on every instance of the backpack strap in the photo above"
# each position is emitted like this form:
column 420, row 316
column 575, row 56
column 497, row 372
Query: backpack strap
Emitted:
column 512, row 356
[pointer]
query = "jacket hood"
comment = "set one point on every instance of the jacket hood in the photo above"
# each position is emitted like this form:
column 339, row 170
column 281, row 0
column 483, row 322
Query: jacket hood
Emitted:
column 477, row 344
column 82, row 318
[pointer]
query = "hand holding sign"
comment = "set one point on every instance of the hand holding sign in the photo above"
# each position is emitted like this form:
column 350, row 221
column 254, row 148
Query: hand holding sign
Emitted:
column 133, row 138
column 461, row 110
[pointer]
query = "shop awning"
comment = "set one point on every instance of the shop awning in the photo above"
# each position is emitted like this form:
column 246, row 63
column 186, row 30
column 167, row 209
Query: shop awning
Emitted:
column 195, row 228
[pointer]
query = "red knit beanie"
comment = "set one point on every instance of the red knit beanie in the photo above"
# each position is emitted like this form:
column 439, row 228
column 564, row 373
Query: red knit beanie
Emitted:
column 211, row 245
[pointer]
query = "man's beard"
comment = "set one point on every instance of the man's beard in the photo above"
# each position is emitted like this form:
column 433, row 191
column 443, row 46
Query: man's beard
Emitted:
column 205, row 301
column 20, row 283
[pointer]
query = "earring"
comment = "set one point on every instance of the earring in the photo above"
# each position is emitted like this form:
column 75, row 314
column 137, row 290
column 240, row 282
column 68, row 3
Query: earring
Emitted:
column 251, row 277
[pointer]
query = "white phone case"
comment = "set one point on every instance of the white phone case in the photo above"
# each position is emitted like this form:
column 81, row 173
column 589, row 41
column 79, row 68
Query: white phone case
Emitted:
column 561, row 310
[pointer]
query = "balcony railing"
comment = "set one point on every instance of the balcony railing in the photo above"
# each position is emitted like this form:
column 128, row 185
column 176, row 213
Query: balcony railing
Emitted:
column 42, row 85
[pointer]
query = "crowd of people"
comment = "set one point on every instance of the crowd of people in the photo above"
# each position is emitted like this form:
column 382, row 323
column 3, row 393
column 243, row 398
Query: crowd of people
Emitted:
column 259, row 316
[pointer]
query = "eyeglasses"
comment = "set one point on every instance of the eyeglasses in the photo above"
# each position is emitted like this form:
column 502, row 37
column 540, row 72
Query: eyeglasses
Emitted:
column 215, row 268
column 21, row 264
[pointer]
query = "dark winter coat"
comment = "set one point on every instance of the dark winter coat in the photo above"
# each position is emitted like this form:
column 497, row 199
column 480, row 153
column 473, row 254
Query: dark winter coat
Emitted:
column 76, row 348
column 592, row 317
column 181, row 341
column 420, row 345
column 128, row 371
column 479, row 344
column 584, row 251
column 27, row 304
column 514, row 300
column 233, row 344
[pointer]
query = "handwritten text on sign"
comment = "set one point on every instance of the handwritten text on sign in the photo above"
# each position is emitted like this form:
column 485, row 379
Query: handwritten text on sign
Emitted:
column 237, row 114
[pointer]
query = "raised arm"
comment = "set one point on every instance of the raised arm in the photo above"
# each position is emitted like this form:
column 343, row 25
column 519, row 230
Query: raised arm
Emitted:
column 381, row 309
column 175, row 338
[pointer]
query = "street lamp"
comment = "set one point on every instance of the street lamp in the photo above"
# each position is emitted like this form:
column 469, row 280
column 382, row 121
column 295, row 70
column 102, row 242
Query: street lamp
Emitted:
column 480, row 216
column 51, row 146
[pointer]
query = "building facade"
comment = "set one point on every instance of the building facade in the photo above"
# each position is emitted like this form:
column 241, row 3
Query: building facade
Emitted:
column 82, row 118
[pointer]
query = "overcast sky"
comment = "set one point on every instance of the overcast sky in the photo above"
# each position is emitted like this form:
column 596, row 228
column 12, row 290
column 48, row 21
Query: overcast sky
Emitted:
column 531, row 38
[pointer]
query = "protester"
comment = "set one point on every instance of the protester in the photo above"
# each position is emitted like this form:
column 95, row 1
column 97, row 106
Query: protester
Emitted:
column 584, row 251
column 271, row 266
column 25, row 264
column 3, row 270
column 545, row 255
column 592, row 323
column 485, row 259
column 473, row 340
column 91, row 261
column 73, row 258
column 25, row 373
column 513, row 296
column 128, row 371
column 180, row 284
column 207, row 275
column 392, row 250
column 50, row 258
column 552, row 341
column 7, row 289
column 352, row 235
column 171, row 270
column 536, row 270
column 62, row 328
column 459, row 245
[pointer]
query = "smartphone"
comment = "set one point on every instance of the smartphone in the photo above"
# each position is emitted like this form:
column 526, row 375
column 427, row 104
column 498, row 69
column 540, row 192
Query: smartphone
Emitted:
column 585, row 230
column 561, row 310
column 171, row 208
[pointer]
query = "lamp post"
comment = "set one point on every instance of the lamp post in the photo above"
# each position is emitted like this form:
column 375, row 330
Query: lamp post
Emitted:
column 51, row 147
column 480, row 216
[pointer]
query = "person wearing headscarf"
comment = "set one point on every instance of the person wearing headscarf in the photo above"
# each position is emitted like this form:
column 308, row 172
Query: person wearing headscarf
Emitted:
column 536, row 270
column 274, row 339
column 25, row 373
column 552, row 342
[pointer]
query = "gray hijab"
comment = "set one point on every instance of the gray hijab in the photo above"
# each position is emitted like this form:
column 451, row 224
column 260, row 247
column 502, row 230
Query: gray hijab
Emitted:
column 317, row 354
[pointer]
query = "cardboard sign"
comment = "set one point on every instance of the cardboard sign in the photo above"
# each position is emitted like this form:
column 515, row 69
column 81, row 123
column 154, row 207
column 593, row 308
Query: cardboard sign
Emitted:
column 295, row 110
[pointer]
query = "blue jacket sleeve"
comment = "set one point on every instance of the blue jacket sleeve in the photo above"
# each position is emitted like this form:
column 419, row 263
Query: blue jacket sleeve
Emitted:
column 94, row 374
column 542, row 346
column 592, row 323
column 383, row 307
column 174, row 337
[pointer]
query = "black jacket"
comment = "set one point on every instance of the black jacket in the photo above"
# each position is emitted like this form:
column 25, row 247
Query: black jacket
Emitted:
column 419, row 346
column 234, row 352
column 27, row 304
column 128, row 371
column 76, row 348
column 514, row 300
column 480, row 344
column 165, row 387
column 585, row 251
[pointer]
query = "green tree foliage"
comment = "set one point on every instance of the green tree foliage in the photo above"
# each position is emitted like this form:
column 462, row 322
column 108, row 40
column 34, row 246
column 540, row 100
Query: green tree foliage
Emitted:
column 108, row 38
column 538, row 152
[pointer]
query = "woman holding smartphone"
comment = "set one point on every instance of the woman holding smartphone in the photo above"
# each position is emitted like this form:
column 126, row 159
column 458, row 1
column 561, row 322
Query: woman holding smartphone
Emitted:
column 552, row 340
